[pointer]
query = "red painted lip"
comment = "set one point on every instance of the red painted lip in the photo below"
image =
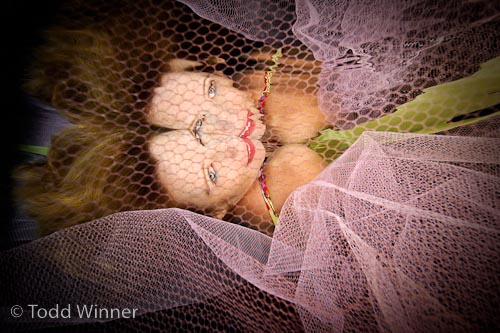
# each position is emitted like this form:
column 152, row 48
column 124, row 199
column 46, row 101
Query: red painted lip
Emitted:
column 249, row 127
column 245, row 133
column 250, row 149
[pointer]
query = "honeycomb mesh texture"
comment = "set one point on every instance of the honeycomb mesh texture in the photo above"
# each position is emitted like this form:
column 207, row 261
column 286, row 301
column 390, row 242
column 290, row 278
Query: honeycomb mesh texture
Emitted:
column 364, row 246
column 103, row 62
column 398, row 234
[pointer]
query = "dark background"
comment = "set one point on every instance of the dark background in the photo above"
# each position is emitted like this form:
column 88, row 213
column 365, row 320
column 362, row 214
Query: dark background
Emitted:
column 22, row 25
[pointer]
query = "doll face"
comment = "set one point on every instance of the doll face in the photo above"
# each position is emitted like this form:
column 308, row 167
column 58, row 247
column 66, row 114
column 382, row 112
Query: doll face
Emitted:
column 185, row 98
column 213, row 176
column 214, row 154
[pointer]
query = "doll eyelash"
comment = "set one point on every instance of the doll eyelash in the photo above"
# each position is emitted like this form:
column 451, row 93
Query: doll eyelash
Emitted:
column 211, row 89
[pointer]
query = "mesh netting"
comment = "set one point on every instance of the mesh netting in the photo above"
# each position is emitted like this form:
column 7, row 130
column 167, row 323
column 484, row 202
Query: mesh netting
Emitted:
column 126, row 74
column 398, row 234
column 170, row 131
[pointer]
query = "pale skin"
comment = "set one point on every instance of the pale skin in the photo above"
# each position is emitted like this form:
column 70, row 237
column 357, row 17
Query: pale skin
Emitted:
column 182, row 99
column 212, row 157
column 214, row 176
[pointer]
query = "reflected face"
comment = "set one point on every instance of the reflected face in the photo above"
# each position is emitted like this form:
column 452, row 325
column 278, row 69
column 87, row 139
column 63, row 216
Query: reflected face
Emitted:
column 214, row 155
column 187, row 97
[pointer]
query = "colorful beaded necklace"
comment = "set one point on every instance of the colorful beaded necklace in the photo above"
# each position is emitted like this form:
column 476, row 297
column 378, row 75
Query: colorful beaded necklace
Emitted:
column 262, row 179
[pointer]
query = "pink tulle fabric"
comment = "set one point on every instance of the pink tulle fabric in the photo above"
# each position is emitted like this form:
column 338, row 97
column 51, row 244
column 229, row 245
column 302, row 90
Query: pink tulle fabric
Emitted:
column 371, row 49
column 399, row 234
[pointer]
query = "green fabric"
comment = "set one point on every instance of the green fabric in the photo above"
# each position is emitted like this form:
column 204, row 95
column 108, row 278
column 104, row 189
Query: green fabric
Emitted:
column 39, row 150
column 431, row 112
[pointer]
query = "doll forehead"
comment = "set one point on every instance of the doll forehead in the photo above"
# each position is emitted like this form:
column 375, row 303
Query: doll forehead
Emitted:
column 171, row 80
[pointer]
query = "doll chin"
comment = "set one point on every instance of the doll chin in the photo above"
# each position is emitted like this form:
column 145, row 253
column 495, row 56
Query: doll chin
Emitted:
column 290, row 167
column 219, row 214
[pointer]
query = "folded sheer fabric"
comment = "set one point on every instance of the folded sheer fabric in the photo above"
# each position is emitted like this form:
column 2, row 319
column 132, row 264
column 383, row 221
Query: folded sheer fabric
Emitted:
column 398, row 234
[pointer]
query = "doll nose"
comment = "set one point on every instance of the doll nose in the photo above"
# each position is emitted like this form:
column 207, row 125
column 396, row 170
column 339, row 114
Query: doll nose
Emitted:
column 232, row 152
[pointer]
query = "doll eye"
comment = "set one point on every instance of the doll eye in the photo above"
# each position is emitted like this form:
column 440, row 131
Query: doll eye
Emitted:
column 212, row 174
column 211, row 89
